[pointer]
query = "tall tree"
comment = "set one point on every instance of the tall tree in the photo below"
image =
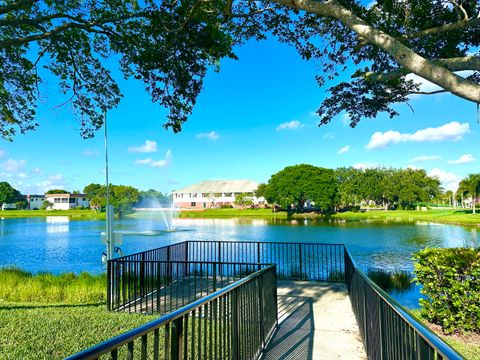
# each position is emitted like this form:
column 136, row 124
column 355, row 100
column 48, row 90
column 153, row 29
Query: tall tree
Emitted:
column 293, row 186
column 9, row 195
column 170, row 44
column 471, row 186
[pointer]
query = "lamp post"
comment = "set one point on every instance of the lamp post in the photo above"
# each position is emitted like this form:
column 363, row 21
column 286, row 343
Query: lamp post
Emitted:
column 109, row 208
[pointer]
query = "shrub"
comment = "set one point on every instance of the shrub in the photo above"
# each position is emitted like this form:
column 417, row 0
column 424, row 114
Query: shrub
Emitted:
column 451, row 283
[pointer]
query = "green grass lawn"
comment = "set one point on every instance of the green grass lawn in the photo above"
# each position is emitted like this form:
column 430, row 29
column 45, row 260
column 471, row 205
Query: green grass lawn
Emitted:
column 461, row 217
column 54, row 331
column 50, row 317
column 229, row 213
column 73, row 214
column 20, row 286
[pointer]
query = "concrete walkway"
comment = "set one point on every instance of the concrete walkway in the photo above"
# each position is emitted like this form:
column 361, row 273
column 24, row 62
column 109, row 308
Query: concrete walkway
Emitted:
column 315, row 322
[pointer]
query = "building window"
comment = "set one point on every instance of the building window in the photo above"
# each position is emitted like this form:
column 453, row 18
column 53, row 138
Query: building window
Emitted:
column 64, row 200
column 193, row 204
column 84, row 199
column 57, row 200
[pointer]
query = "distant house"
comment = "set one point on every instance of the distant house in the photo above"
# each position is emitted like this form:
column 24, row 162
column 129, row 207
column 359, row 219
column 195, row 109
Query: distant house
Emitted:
column 67, row 201
column 35, row 201
column 214, row 194
column 6, row 206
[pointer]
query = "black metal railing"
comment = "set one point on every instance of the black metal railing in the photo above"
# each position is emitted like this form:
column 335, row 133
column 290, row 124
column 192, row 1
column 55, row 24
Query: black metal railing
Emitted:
column 162, row 286
column 387, row 330
column 295, row 261
column 235, row 322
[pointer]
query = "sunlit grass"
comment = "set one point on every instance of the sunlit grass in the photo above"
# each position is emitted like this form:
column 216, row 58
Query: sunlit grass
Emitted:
column 20, row 286
column 219, row 213
column 461, row 217
column 74, row 214
column 46, row 331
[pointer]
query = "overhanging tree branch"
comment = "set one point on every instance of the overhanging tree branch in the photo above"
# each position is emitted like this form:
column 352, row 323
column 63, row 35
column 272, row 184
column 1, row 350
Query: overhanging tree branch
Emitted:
column 453, row 64
column 402, row 54
column 460, row 25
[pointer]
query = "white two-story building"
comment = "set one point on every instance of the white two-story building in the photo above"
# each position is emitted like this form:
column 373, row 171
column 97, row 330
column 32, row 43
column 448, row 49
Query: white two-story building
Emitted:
column 214, row 193
column 67, row 201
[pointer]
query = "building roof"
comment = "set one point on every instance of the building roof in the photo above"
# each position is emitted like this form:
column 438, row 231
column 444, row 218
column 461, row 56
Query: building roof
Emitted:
column 220, row 186
column 65, row 195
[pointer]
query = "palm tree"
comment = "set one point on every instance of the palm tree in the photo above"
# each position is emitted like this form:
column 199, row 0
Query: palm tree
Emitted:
column 471, row 186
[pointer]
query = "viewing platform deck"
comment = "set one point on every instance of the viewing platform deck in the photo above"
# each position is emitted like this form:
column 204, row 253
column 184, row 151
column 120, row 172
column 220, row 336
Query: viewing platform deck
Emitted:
column 316, row 321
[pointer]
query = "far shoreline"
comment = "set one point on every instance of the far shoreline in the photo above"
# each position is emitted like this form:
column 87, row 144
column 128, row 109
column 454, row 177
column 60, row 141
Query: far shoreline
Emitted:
column 460, row 217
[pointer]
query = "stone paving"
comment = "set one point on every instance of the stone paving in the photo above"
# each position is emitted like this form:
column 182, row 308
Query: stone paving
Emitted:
column 316, row 321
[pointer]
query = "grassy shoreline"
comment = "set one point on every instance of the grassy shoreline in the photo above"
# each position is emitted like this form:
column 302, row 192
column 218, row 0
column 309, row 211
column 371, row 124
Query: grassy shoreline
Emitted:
column 456, row 217
column 73, row 214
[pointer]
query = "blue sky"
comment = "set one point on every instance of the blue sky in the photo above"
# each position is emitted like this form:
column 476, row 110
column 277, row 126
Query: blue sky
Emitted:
column 253, row 118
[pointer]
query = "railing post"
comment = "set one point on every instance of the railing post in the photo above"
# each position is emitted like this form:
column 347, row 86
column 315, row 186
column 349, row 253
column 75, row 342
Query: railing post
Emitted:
column 219, row 249
column 365, row 320
column 260, row 301
column 177, row 339
column 235, row 326
column 187, row 272
column 169, row 266
column 214, row 265
column 142, row 275
column 300, row 259
column 258, row 255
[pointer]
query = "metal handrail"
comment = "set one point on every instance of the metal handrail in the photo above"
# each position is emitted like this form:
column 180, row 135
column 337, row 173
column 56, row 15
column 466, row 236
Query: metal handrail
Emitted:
column 428, row 335
column 260, row 242
column 97, row 350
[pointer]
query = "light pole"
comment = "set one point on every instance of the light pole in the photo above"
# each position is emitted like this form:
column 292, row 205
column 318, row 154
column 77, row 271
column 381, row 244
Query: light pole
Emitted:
column 109, row 208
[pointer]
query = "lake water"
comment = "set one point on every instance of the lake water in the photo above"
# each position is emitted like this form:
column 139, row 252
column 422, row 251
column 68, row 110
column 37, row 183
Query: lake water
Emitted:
column 57, row 244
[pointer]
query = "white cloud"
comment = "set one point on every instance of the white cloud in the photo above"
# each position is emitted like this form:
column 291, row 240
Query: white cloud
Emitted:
column 346, row 119
column 13, row 166
column 149, row 147
column 467, row 158
column 146, row 161
column 157, row 163
column 344, row 149
column 426, row 158
column 56, row 177
column 37, row 171
column 2, row 153
column 449, row 180
column 91, row 153
column 413, row 167
column 452, row 131
column 22, row 175
column 364, row 166
column 329, row 135
column 212, row 135
column 290, row 125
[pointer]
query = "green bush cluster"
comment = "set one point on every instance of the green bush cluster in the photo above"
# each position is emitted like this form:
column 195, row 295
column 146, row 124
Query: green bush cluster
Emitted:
column 451, row 284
